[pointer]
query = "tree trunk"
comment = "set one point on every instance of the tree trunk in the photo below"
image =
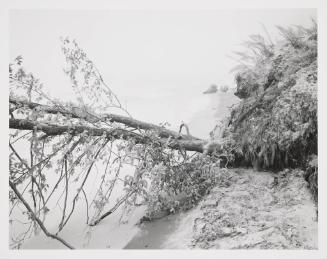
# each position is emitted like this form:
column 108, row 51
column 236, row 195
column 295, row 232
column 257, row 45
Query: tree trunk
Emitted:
column 175, row 140
column 197, row 145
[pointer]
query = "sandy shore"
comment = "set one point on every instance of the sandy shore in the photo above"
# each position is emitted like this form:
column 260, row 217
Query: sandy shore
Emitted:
column 247, row 210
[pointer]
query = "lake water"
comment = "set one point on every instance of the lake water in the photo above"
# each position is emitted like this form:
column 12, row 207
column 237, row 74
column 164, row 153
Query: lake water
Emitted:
column 199, row 111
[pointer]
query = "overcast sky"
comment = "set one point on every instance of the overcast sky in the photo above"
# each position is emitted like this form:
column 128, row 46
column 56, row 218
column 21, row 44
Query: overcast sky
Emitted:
column 158, row 62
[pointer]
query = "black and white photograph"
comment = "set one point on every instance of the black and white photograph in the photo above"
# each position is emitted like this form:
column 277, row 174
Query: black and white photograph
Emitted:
column 136, row 129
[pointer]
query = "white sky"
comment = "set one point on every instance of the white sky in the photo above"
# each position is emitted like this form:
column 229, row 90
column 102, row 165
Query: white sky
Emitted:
column 157, row 62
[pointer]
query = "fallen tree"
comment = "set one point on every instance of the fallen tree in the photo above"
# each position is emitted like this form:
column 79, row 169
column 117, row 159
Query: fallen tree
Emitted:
column 83, row 114
column 61, row 153
column 76, row 124
column 85, row 146
column 175, row 140
column 51, row 129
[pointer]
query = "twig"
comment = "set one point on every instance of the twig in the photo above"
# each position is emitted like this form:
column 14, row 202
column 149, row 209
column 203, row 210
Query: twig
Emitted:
column 34, row 217
column 87, row 207
column 66, row 192
column 117, row 205
column 82, row 185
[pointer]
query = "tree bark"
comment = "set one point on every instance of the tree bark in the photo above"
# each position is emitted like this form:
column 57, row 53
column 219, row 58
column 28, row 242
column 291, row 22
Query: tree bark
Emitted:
column 52, row 129
column 80, row 114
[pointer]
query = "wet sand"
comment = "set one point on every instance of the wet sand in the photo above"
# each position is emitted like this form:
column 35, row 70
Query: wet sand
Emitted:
column 171, row 232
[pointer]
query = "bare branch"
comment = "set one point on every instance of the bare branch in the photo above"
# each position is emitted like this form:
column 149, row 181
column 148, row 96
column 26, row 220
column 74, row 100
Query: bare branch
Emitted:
column 39, row 222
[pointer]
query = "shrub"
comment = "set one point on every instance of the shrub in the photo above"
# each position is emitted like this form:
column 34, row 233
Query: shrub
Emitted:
column 181, row 187
column 275, row 124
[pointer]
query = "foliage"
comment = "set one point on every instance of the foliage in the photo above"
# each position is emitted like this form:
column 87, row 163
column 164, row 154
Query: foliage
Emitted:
column 275, row 124
column 180, row 187
column 87, row 82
